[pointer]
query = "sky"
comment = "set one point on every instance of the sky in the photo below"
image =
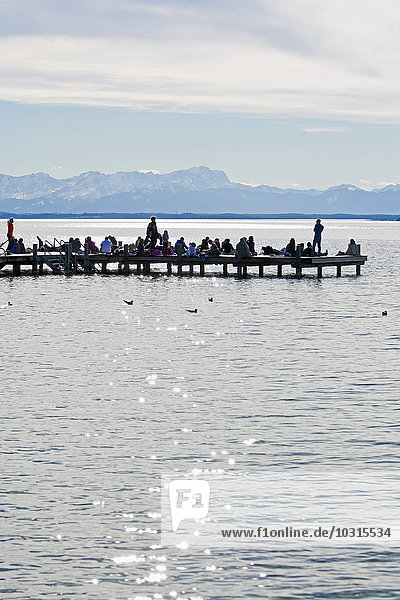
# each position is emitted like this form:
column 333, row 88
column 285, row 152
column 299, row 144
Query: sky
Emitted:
column 295, row 93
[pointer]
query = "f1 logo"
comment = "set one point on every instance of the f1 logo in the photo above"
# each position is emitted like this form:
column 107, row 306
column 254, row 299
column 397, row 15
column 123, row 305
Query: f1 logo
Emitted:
column 189, row 499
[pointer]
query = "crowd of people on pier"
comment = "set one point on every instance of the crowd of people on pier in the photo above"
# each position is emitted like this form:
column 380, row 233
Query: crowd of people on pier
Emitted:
column 155, row 243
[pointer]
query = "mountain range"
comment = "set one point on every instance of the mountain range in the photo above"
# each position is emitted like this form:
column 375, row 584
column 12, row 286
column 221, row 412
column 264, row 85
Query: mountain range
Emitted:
column 197, row 190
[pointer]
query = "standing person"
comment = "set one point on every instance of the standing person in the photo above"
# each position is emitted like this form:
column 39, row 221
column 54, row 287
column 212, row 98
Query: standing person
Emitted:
column 152, row 234
column 10, row 232
column 318, row 229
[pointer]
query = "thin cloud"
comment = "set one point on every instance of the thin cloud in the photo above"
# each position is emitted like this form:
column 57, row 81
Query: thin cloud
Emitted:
column 299, row 59
column 327, row 129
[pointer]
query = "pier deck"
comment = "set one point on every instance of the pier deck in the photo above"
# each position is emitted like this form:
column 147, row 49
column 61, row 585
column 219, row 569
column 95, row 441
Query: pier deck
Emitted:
column 69, row 263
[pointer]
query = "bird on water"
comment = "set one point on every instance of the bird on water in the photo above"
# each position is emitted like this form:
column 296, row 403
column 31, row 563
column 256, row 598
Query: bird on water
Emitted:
column 192, row 311
column 130, row 302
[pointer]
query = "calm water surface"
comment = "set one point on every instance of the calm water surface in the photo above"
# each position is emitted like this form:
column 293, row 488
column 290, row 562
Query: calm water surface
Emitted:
column 99, row 398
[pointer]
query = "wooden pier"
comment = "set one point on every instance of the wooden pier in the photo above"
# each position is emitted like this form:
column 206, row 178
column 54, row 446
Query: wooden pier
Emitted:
column 70, row 263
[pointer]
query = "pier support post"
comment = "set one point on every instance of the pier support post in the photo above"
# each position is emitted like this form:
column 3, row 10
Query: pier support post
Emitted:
column 86, row 263
column 191, row 269
column 299, row 250
column 104, row 267
column 319, row 272
column 358, row 269
column 339, row 271
column 34, row 260
column 244, row 270
column 126, row 263
column 68, row 254
column 179, row 253
column 202, row 269
column 279, row 271
column 41, row 266
column 225, row 269
column 16, row 268
column 239, row 270
column 261, row 271
column 169, row 268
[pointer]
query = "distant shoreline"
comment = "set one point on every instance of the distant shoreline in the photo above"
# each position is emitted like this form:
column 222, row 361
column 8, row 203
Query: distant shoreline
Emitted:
column 371, row 217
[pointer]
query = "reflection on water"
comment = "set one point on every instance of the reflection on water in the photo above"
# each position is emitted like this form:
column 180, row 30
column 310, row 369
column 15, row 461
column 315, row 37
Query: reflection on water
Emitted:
column 99, row 398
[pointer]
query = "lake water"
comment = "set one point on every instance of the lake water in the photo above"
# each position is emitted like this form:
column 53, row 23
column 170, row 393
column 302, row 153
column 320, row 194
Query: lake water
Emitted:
column 100, row 398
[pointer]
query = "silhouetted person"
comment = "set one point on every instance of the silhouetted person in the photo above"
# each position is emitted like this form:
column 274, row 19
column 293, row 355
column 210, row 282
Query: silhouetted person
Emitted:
column 352, row 249
column 251, row 245
column 290, row 249
column 140, row 251
column 76, row 245
column 308, row 251
column 152, row 235
column 227, row 247
column 318, row 229
column 242, row 249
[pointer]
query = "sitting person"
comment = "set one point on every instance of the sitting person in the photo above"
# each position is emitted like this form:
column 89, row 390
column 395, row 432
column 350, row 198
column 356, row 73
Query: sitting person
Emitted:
column 214, row 250
column 180, row 246
column 106, row 246
column 140, row 251
column 352, row 249
column 203, row 247
column 308, row 251
column 192, row 249
column 270, row 251
column 17, row 246
column 168, row 251
column 242, row 249
column 91, row 245
column 76, row 245
column 227, row 247
column 251, row 245
column 290, row 249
